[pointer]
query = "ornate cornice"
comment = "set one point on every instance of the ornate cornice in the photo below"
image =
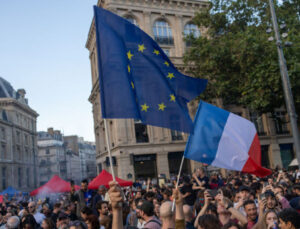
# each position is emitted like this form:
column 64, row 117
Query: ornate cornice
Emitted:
column 13, row 102
column 182, row 8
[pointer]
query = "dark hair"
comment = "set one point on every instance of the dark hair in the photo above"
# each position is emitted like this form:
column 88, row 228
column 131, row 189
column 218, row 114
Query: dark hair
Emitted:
column 84, row 181
column 256, row 186
column 93, row 220
column 226, row 192
column 49, row 222
column 99, row 204
column 296, row 186
column 290, row 215
column 231, row 224
column 212, row 208
column 137, row 200
column 148, row 208
column 57, row 205
column 247, row 202
column 86, row 210
column 28, row 219
column 209, row 222
column 149, row 195
column 186, row 179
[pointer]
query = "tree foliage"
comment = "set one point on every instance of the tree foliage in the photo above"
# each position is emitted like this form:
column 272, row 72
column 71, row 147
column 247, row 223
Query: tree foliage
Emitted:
column 236, row 56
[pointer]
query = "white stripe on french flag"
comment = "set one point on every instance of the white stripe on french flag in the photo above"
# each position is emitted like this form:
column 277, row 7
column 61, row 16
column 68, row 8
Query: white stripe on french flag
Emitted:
column 225, row 140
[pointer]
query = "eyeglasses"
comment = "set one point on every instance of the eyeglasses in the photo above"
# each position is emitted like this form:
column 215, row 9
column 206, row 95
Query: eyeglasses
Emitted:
column 31, row 207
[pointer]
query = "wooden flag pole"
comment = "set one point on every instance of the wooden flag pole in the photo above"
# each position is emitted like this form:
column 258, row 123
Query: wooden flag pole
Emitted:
column 179, row 174
column 108, row 149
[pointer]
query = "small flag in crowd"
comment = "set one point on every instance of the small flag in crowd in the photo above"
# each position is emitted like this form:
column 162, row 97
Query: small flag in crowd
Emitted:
column 136, row 78
column 225, row 140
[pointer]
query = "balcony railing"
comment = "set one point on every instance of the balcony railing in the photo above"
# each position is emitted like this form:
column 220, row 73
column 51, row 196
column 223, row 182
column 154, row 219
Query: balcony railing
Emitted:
column 164, row 40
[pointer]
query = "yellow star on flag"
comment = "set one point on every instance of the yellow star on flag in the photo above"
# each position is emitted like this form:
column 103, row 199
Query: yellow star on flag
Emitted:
column 167, row 63
column 145, row 107
column 141, row 48
column 132, row 85
column 161, row 106
column 129, row 55
column 128, row 67
column 170, row 75
column 156, row 52
column 172, row 97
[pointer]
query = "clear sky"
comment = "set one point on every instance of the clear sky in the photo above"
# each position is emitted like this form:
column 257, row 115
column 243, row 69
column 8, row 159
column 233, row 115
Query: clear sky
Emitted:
column 42, row 49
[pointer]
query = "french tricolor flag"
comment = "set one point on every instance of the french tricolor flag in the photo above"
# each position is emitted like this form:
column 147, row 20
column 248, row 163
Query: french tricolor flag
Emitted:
column 225, row 140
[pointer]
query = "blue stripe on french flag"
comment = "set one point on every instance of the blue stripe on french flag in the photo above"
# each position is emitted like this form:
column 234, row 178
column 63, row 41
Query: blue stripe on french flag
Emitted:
column 225, row 140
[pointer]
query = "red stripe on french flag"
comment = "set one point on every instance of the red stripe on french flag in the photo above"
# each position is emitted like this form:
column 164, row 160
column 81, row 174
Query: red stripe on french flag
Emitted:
column 253, row 164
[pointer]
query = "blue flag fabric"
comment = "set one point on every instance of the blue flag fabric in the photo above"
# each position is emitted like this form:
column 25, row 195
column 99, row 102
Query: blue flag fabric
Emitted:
column 137, row 80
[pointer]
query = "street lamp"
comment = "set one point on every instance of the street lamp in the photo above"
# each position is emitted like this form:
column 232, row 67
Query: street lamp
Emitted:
column 286, row 83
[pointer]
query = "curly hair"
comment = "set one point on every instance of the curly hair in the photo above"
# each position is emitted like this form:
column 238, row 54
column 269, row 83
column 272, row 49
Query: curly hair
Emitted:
column 290, row 215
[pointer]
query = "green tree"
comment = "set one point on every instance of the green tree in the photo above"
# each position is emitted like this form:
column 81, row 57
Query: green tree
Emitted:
column 237, row 58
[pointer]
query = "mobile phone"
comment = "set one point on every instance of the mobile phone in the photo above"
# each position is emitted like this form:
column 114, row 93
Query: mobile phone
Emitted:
column 212, row 192
column 262, row 196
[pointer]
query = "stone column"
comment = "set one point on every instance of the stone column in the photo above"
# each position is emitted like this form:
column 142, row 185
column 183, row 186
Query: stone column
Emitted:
column 124, row 166
column 162, row 164
column 274, row 154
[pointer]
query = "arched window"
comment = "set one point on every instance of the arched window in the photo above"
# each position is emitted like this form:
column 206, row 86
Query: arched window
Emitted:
column 162, row 32
column 131, row 19
column 191, row 29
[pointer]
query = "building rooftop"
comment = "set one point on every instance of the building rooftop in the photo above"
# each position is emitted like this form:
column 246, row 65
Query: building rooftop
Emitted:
column 7, row 91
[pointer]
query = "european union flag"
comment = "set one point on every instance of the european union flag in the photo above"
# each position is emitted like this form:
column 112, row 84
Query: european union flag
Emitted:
column 137, row 80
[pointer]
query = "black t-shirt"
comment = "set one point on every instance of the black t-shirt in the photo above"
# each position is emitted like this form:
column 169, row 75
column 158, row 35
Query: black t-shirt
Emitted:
column 206, row 180
column 190, row 199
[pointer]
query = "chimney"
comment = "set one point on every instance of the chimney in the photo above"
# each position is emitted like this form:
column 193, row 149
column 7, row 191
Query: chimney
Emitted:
column 50, row 131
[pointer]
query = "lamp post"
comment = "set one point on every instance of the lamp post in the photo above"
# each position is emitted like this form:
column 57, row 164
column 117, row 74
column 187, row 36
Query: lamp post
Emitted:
column 286, row 84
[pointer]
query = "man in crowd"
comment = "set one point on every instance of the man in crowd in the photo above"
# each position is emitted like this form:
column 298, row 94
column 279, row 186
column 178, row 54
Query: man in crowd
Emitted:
column 99, row 196
column 102, row 208
column 83, row 196
column 39, row 217
column 251, row 213
column 289, row 219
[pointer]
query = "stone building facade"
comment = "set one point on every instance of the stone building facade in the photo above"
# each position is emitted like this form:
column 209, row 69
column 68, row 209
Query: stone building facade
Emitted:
column 69, row 157
column 141, row 151
column 86, row 152
column 51, row 155
column 18, row 143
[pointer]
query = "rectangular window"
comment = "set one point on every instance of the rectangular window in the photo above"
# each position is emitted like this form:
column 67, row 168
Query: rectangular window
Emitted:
column 4, row 178
column 26, row 154
column 47, row 151
column 176, row 135
column 18, row 137
column 257, row 120
column 3, row 134
column 19, row 177
column 141, row 133
column 26, row 139
column 265, row 162
column 287, row 154
column 281, row 122
column 3, row 151
column 27, row 177
column 18, row 153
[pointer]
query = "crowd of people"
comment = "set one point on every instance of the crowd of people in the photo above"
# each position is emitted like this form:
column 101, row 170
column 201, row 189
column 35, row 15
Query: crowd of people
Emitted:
column 199, row 201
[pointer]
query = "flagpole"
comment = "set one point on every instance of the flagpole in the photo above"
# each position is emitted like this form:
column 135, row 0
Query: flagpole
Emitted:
column 108, row 149
column 179, row 174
